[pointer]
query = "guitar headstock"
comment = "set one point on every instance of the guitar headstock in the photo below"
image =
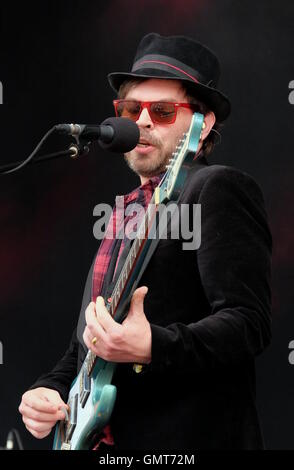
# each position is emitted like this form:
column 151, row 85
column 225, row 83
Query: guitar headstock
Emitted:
column 181, row 160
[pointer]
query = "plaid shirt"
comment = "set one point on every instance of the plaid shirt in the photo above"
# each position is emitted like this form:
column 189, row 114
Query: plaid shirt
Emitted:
column 141, row 195
column 118, row 221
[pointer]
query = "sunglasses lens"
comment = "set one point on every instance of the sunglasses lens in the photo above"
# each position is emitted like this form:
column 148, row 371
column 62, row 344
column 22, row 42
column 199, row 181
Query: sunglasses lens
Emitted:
column 128, row 109
column 162, row 112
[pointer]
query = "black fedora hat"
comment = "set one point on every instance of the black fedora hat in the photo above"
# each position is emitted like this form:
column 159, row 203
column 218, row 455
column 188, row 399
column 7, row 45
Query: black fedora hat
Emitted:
column 178, row 58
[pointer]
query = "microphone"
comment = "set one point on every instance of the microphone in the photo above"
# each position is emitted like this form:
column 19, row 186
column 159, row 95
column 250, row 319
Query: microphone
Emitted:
column 114, row 134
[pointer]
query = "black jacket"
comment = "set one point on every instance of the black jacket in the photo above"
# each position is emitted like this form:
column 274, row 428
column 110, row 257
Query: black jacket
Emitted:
column 210, row 315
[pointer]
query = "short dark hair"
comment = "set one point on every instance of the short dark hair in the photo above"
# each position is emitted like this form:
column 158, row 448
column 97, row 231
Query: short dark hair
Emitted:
column 212, row 138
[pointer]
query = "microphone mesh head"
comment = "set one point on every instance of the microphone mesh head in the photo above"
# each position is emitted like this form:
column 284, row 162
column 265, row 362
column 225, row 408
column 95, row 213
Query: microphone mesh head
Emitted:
column 126, row 135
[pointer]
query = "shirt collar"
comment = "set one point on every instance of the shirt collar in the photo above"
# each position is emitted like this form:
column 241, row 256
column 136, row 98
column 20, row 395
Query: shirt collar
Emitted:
column 145, row 188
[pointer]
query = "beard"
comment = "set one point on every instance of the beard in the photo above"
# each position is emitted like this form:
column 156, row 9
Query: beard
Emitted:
column 149, row 165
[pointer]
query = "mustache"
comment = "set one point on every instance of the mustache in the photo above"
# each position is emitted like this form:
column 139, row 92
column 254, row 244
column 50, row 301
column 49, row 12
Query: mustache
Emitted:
column 150, row 138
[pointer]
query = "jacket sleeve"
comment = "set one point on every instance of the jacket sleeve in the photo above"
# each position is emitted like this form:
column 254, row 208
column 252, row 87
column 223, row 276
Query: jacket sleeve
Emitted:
column 234, row 262
column 61, row 377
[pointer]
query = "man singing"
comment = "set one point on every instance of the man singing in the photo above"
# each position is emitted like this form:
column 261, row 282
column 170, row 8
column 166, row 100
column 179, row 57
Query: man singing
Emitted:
column 199, row 317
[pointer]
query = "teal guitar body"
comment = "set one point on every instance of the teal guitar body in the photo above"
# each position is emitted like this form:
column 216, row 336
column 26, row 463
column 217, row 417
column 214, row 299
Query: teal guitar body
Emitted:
column 92, row 396
column 91, row 401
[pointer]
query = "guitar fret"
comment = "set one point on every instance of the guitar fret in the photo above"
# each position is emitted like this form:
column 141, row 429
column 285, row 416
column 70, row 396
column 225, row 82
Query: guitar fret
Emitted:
column 114, row 300
column 127, row 272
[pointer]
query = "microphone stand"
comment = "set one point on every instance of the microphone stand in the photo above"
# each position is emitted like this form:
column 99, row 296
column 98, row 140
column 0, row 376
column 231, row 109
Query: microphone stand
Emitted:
column 74, row 151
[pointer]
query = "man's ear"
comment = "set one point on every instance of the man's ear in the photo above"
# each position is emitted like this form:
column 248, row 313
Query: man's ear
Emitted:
column 209, row 120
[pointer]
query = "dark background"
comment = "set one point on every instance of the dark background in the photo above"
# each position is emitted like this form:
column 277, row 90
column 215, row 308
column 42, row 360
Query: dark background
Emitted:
column 54, row 60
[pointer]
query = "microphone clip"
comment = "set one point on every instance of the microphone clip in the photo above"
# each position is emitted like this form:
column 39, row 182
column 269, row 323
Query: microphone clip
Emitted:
column 80, row 148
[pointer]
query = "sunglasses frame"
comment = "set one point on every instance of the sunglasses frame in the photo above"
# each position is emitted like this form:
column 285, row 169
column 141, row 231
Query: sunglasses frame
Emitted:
column 147, row 104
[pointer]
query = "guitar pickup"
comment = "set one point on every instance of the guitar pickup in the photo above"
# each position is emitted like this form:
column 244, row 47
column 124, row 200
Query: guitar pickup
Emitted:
column 85, row 387
column 72, row 422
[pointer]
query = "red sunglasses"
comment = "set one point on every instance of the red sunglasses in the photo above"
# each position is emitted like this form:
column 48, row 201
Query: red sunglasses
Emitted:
column 161, row 112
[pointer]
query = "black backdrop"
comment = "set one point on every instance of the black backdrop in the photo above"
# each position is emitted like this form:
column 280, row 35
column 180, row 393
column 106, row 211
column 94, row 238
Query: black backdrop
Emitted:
column 54, row 60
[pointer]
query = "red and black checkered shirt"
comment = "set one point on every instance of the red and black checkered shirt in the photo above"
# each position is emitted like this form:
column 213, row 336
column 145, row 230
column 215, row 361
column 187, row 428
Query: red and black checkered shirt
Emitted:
column 118, row 221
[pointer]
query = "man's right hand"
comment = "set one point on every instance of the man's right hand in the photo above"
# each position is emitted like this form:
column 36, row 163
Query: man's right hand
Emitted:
column 40, row 409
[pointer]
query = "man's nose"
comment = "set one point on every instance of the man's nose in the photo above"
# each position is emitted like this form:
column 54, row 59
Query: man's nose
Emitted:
column 144, row 119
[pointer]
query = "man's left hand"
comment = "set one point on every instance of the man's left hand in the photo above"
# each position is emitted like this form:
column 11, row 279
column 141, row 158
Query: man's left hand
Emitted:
column 115, row 342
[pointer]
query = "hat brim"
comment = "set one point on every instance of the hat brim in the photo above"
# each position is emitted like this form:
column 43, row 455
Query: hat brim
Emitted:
column 214, row 99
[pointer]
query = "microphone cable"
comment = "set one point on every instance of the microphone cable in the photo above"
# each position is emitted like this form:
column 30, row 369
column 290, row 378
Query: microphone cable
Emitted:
column 31, row 156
